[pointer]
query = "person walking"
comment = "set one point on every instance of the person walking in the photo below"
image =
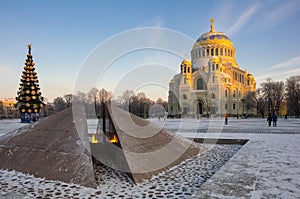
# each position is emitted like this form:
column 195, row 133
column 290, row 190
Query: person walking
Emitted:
column 274, row 118
column 226, row 118
column 269, row 119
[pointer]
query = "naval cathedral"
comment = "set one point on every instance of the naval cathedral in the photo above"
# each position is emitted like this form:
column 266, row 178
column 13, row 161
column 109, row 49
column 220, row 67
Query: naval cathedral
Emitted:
column 212, row 83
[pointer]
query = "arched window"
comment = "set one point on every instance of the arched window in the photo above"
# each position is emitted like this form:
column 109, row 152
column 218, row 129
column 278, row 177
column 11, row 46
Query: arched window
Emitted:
column 188, row 69
column 184, row 97
column 184, row 80
column 217, row 66
column 221, row 51
column 184, row 69
column 233, row 95
column 226, row 93
column 217, row 51
column 225, row 52
column 233, row 106
column 213, row 96
column 212, row 52
column 207, row 52
column 200, row 84
column 213, row 79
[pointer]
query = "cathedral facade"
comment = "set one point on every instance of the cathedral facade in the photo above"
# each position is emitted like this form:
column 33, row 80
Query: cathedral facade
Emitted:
column 212, row 83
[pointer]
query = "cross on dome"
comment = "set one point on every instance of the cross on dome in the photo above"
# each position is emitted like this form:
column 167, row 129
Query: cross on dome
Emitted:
column 212, row 26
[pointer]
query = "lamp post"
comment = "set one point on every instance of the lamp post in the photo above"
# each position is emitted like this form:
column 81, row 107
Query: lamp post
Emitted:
column 243, row 101
column 145, row 111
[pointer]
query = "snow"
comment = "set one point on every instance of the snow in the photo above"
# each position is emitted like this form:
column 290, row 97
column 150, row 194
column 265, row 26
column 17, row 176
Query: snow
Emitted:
column 9, row 125
column 267, row 166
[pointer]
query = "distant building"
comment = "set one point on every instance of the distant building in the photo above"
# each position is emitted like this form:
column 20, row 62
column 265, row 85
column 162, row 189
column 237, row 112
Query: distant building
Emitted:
column 212, row 82
column 8, row 102
column 7, row 108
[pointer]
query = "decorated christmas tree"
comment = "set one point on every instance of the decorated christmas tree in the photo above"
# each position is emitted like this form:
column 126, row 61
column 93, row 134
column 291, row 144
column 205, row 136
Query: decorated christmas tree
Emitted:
column 29, row 99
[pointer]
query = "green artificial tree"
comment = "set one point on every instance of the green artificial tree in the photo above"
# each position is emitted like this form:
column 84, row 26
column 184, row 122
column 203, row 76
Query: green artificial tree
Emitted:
column 29, row 98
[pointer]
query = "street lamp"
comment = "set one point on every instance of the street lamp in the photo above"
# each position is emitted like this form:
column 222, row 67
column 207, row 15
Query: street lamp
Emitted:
column 145, row 111
column 243, row 101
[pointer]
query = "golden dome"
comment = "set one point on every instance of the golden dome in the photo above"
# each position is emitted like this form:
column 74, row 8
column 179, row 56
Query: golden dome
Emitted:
column 213, row 37
column 187, row 62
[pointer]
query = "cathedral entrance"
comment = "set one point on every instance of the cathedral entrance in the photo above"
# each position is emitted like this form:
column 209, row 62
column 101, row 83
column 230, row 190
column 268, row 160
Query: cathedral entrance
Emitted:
column 200, row 108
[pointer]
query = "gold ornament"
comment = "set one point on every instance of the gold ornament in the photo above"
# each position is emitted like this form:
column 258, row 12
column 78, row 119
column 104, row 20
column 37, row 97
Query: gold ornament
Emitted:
column 29, row 110
column 23, row 110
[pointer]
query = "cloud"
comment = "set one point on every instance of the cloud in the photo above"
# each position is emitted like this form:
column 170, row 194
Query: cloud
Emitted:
column 290, row 62
column 246, row 16
column 155, row 22
column 272, row 17
column 286, row 68
column 278, row 75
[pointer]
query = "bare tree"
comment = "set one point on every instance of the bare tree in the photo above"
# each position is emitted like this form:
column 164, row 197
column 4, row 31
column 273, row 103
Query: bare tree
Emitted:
column 273, row 93
column 104, row 95
column 250, row 101
column 126, row 99
column 68, row 99
column 93, row 95
column 80, row 97
column 1, row 110
column 59, row 104
column 141, row 96
column 292, row 88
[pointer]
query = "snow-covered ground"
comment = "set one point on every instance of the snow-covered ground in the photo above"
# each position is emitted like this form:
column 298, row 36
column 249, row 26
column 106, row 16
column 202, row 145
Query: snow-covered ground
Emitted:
column 267, row 166
column 9, row 125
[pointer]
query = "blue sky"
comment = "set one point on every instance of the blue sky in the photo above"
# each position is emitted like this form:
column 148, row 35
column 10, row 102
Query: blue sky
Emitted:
column 63, row 33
